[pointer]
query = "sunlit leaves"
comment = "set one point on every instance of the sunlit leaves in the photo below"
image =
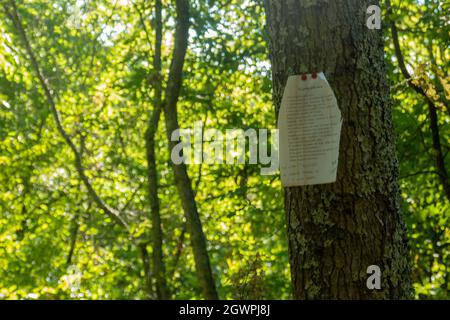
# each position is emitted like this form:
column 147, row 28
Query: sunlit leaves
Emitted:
column 424, row 41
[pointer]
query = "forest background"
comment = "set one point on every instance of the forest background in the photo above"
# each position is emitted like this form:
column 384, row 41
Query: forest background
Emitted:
column 98, row 58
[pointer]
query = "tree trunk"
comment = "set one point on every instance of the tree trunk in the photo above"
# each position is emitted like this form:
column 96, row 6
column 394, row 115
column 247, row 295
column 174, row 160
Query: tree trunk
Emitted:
column 337, row 230
column 432, row 109
column 162, row 291
column 182, row 180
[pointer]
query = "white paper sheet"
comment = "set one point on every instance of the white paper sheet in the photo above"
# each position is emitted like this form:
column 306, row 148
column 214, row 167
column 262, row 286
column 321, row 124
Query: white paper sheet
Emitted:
column 309, row 124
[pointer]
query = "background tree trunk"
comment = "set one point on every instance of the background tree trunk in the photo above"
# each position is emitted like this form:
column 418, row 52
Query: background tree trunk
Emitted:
column 182, row 180
column 162, row 291
column 337, row 230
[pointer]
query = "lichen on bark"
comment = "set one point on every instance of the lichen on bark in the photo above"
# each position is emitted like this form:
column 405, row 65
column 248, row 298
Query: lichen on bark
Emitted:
column 336, row 231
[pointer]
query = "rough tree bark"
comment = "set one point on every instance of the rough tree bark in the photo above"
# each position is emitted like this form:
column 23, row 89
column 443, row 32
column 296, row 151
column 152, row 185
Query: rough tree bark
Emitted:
column 182, row 180
column 337, row 230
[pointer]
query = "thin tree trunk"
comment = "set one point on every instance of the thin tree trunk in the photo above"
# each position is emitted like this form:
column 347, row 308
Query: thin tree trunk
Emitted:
column 162, row 291
column 337, row 230
column 182, row 180
column 437, row 148
column 73, row 236
column 432, row 109
column 147, row 271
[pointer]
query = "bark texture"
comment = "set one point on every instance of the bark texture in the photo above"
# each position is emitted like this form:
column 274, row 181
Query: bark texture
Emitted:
column 337, row 230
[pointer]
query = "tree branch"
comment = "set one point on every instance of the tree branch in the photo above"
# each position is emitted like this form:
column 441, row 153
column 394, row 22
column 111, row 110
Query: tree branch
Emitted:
column 181, row 177
column 434, row 124
column 12, row 12
column 400, row 58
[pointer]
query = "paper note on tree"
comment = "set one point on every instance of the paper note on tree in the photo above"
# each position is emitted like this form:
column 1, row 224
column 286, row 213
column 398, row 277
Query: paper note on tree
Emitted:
column 309, row 124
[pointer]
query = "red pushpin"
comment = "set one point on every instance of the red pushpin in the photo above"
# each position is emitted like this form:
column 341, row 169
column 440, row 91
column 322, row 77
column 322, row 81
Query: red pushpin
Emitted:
column 304, row 77
column 314, row 75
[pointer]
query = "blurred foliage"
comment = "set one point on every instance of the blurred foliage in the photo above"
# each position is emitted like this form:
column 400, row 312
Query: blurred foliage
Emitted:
column 97, row 56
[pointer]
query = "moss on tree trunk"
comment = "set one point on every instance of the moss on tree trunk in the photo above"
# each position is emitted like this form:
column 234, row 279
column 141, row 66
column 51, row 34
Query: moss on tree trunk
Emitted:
column 337, row 230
